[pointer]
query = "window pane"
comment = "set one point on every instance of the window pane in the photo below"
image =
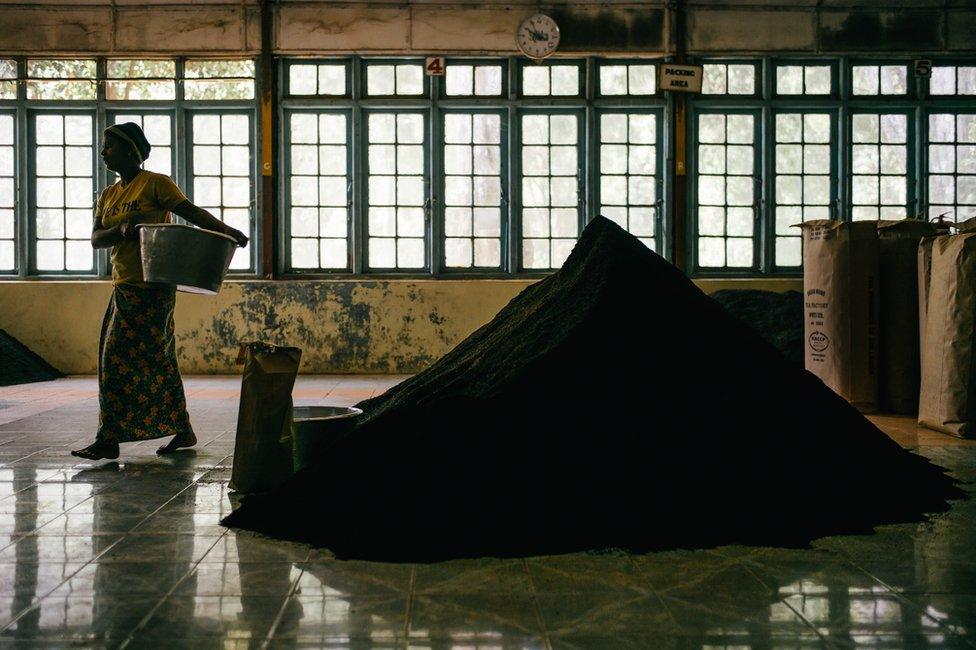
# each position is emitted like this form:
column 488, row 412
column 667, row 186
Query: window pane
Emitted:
column 802, row 188
column 803, row 80
column 473, row 191
column 628, row 175
column 732, row 79
column 396, row 190
column 550, row 192
column 219, row 79
column 221, row 183
column 7, row 193
column 63, row 189
column 61, row 79
column 319, row 194
column 555, row 80
column 8, row 70
column 952, row 165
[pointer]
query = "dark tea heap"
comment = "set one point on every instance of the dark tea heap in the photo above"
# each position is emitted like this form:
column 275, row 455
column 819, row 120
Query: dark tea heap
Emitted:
column 612, row 404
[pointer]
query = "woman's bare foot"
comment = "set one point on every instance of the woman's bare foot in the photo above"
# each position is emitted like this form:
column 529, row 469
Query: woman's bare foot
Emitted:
column 178, row 442
column 98, row 450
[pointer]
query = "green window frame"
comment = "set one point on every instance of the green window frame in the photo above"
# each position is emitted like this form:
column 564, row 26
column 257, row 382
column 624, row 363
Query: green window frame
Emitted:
column 474, row 208
column 550, row 206
column 62, row 191
column 951, row 157
column 630, row 155
column 8, row 197
column 317, row 196
column 221, row 170
column 805, row 179
column 726, row 194
column 155, row 88
column 881, row 182
column 397, row 190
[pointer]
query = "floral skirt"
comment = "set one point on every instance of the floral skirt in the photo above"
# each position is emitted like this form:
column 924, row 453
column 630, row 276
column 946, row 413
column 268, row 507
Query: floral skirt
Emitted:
column 140, row 391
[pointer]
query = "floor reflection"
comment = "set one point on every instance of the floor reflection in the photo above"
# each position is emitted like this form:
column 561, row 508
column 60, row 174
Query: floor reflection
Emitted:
column 130, row 553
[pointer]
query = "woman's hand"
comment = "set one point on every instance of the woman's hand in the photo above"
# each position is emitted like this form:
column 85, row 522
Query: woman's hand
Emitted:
column 128, row 231
column 237, row 235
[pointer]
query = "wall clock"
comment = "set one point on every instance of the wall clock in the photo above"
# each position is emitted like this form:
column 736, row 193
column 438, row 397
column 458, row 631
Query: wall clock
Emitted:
column 537, row 36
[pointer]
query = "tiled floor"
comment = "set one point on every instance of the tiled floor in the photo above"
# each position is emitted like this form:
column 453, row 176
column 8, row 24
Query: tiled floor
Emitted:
column 130, row 553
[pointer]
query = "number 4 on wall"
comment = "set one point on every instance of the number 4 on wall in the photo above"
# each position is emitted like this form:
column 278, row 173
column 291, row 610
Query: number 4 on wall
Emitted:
column 434, row 66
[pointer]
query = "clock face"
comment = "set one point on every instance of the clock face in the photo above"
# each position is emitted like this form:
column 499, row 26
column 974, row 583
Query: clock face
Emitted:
column 538, row 36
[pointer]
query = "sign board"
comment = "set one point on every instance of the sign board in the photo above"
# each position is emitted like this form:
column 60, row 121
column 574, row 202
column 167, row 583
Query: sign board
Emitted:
column 679, row 78
column 434, row 66
column 923, row 68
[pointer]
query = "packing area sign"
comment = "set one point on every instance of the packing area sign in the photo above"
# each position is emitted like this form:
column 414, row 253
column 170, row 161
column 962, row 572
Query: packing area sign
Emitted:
column 679, row 78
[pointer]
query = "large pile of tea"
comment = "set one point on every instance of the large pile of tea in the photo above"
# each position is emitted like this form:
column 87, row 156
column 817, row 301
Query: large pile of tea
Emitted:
column 777, row 316
column 20, row 365
column 612, row 404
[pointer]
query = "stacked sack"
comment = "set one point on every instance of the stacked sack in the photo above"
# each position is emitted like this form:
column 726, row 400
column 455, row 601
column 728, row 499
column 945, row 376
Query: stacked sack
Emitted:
column 861, row 313
column 947, row 311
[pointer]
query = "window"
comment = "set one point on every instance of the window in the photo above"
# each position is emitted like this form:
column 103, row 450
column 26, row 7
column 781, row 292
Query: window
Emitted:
column 158, row 128
column 803, row 79
column 472, row 190
column 727, row 197
column 400, row 79
column 61, row 79
column 58, row 118
column 8, row 79
column 63, row 194
column 952, row 165
column 8, row 259
column 879, row 166
column 879, row 79
column 633, row 79
column 802, row 180
column 473, row 80
column 552, row 79
column 319, row 190
column 496, row 166
column 218, row 80
column 397, row 203
column 550, row 188
column 221, row 171
column 953, row 80
column 629, row 172
column 132, row 79
column 318, row 79
column 729, row 79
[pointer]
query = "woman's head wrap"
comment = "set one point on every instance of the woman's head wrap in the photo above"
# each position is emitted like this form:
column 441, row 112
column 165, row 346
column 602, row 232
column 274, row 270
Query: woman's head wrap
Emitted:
column 132, row 133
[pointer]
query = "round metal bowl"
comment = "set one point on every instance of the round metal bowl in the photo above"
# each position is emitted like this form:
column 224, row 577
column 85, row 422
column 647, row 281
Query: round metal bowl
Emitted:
column 193, row 259
column 316, row 428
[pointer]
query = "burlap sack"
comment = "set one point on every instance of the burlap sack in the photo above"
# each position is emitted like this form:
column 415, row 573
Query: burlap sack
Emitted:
column 948, row 390
column 898, row 331
column 925, row 274
column 924, row 279
column 840, row 293
column 262, row 448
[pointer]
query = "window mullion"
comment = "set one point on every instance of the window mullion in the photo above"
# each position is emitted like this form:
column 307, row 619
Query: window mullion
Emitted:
column 433, row 158
column 24, row 154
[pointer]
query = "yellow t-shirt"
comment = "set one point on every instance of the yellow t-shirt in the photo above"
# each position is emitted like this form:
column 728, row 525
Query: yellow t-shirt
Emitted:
column 147, row 198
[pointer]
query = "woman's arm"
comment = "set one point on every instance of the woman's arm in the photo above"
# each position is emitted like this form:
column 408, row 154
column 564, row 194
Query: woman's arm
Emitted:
column 107, row 237
column 200, row 217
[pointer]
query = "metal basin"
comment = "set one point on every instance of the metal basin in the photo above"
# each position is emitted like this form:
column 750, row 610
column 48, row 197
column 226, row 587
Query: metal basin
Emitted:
column 316, row 428
column 193, row 259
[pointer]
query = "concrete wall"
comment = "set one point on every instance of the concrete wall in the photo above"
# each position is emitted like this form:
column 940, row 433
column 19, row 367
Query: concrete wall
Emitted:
column 382, row 326
column 483, row 26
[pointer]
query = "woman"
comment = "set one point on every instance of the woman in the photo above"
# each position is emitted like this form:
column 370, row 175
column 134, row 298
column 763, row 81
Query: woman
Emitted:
column 140, row 391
